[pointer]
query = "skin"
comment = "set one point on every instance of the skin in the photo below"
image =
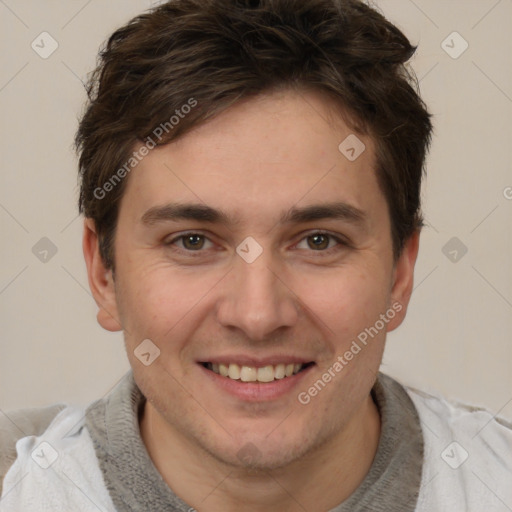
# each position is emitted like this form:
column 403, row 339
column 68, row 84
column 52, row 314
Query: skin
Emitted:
column 255, row 161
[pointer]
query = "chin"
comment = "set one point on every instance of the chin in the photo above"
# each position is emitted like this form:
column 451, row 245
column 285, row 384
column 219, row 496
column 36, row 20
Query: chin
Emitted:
column 249, row 457
column 260, row 451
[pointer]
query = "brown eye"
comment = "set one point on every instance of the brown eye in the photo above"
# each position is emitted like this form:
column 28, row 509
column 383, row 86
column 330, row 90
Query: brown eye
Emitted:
column 193, row 242
column 190, row 244
column 324, row 244
column 318, row 241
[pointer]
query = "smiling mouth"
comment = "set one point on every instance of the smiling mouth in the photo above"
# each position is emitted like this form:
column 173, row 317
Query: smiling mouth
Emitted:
column 268, row 373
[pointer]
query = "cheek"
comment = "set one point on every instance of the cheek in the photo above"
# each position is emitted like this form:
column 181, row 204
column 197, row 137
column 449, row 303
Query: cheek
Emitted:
column 345, row 300
column 346, row 289
column 155, row 300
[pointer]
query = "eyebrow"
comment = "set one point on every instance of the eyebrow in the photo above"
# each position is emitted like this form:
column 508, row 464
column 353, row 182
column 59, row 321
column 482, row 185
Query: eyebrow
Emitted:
column 203, row 213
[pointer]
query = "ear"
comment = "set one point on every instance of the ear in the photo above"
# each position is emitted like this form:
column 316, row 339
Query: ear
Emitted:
column 403, row 280
column 101, row 281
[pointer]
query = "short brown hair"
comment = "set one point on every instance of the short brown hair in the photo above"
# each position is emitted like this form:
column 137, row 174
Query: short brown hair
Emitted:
column 217, row 52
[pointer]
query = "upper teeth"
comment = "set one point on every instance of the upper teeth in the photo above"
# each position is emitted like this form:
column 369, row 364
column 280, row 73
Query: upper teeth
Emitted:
column 254, row 374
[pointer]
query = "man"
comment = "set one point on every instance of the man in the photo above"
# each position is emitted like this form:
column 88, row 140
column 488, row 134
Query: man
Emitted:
column 250, row 180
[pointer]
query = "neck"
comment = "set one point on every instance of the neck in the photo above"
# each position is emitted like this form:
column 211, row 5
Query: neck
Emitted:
column 319, row 481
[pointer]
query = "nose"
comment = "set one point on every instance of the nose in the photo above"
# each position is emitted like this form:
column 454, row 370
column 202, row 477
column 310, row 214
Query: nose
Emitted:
column 256, row 299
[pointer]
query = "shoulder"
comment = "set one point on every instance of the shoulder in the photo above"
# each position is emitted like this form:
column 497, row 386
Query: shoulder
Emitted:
column 467, row 455
column 460, row 418
column 21, row 423
column 67, row 447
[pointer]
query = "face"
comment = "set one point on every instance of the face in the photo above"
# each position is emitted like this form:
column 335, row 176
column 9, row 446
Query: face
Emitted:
column 254, row 247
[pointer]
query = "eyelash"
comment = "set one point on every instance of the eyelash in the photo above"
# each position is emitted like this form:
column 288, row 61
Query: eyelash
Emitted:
column 326, row 252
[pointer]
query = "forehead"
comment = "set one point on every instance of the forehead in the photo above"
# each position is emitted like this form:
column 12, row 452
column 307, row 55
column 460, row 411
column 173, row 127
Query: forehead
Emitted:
column 263, row 156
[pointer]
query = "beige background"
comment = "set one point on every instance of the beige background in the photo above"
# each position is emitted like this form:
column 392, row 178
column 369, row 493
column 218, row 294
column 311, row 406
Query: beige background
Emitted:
column 456, row 338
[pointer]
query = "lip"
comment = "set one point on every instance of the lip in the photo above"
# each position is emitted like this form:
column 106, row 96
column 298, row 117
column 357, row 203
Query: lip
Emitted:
column 257, row 391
